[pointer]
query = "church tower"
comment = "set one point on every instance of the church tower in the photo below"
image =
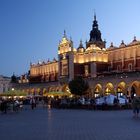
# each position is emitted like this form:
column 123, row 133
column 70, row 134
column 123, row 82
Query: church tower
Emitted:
column 95, row 36
column 65, row 60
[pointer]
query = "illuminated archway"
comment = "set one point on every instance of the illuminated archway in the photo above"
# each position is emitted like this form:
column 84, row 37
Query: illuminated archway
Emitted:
column 135, row 88
column 109, row 89
column 121, row 88
column 38, row 90
column 57, row 88
column 98, row 90
column 64, row 87
column 52, row 89
column 44, row 90
column 32, row 90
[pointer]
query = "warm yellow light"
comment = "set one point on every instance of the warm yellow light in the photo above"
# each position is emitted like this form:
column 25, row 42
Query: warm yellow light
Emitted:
column 97, row 90
column 64, row 40
column 105, row 60
column 81, row 61
column 86, row 60
column 100, row 59
column 71, row 96
column 74, row 50
column 13, row 89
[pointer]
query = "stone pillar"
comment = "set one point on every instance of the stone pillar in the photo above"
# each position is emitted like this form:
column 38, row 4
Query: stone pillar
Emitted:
column 135, row 57
column 71, row 66
column 59, row 67
column 115, row 90
column 138, row 90
column 129, row 91
column 103, row 90
column 122, row 59
column 93, row 69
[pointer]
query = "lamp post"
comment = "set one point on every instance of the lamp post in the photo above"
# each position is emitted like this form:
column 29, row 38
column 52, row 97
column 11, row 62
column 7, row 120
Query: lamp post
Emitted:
column 12, row 89
column 12, row 93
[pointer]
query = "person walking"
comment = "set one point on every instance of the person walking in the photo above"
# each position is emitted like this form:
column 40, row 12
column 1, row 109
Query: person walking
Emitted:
column 4, row 106
column 32, row 102
column 135, row 106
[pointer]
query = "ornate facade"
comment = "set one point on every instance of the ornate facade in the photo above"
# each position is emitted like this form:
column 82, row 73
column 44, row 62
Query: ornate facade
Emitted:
column 92, row 61
column 44, row 72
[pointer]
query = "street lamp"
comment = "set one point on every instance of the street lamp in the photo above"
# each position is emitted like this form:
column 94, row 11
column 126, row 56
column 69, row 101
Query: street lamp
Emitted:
column 13, row 89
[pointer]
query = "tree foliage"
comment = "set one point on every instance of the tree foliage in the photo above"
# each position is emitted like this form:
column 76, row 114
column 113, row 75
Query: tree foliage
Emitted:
column 78, row 86
column 13, row 79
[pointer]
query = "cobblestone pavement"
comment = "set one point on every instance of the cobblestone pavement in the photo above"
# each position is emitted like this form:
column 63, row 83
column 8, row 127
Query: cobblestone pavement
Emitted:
column 55, row 124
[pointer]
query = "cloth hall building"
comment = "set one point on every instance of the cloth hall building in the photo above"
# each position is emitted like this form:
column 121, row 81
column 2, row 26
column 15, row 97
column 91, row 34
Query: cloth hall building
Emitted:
column 109, row 70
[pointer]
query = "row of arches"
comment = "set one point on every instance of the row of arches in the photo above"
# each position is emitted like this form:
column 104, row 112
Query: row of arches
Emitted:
column 43, row 90
column 121, row 87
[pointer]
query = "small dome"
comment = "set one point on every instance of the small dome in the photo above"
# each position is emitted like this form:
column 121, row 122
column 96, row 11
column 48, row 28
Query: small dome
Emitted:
column 111, row 47
column 48, row 61
column 54, row 60
column 39, row 62
column 122, row 44
column 134, row 42
column 43, row 62
column 81, row 48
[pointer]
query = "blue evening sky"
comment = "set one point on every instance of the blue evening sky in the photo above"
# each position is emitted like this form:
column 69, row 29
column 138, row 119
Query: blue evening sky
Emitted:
column 30, row 30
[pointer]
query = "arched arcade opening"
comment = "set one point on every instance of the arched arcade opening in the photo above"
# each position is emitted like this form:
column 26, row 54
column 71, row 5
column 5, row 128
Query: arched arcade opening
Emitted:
column 109, row 89
column 98, row 90
column 121, row 89
column 135, row 88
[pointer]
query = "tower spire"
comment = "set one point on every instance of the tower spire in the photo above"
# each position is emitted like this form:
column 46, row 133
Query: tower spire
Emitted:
column 95, row 22
column 94, row 15
column 64, row 34
column 95, row 34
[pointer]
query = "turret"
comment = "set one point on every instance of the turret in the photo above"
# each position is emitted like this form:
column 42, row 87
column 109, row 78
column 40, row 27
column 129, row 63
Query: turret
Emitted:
column 95, row 35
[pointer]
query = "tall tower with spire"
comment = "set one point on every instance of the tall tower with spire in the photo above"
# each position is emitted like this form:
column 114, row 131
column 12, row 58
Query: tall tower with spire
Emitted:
column 95, row 35
column 65, row 59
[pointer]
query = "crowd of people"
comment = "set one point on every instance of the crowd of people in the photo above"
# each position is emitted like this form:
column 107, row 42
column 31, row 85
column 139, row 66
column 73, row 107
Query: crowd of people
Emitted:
column 10, row 104
column 78, row 102
column 64, row 102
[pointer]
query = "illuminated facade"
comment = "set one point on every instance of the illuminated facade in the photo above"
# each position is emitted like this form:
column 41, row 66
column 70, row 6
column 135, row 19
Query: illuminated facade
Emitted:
column 44, row 72
column 91, row 62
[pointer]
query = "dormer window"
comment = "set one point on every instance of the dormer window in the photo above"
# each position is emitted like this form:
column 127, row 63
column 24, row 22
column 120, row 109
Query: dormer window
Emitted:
column 130, row 66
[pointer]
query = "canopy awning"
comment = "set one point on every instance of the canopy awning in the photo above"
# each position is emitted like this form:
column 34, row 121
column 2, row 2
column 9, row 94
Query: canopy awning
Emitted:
column 56, row 94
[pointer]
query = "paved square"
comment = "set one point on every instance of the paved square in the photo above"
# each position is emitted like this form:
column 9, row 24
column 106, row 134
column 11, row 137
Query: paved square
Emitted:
column 63, row 124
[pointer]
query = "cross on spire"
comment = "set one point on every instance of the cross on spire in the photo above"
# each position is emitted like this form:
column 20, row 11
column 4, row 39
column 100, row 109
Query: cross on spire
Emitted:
column 65, row 34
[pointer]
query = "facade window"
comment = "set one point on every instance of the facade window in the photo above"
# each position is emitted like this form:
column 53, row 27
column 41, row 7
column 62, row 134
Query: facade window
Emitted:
column 130, row 67
column 64, row 67
column 86, row 70
column 65, row 71
column 118, row 68
column 4, row 89
column 109, row 68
